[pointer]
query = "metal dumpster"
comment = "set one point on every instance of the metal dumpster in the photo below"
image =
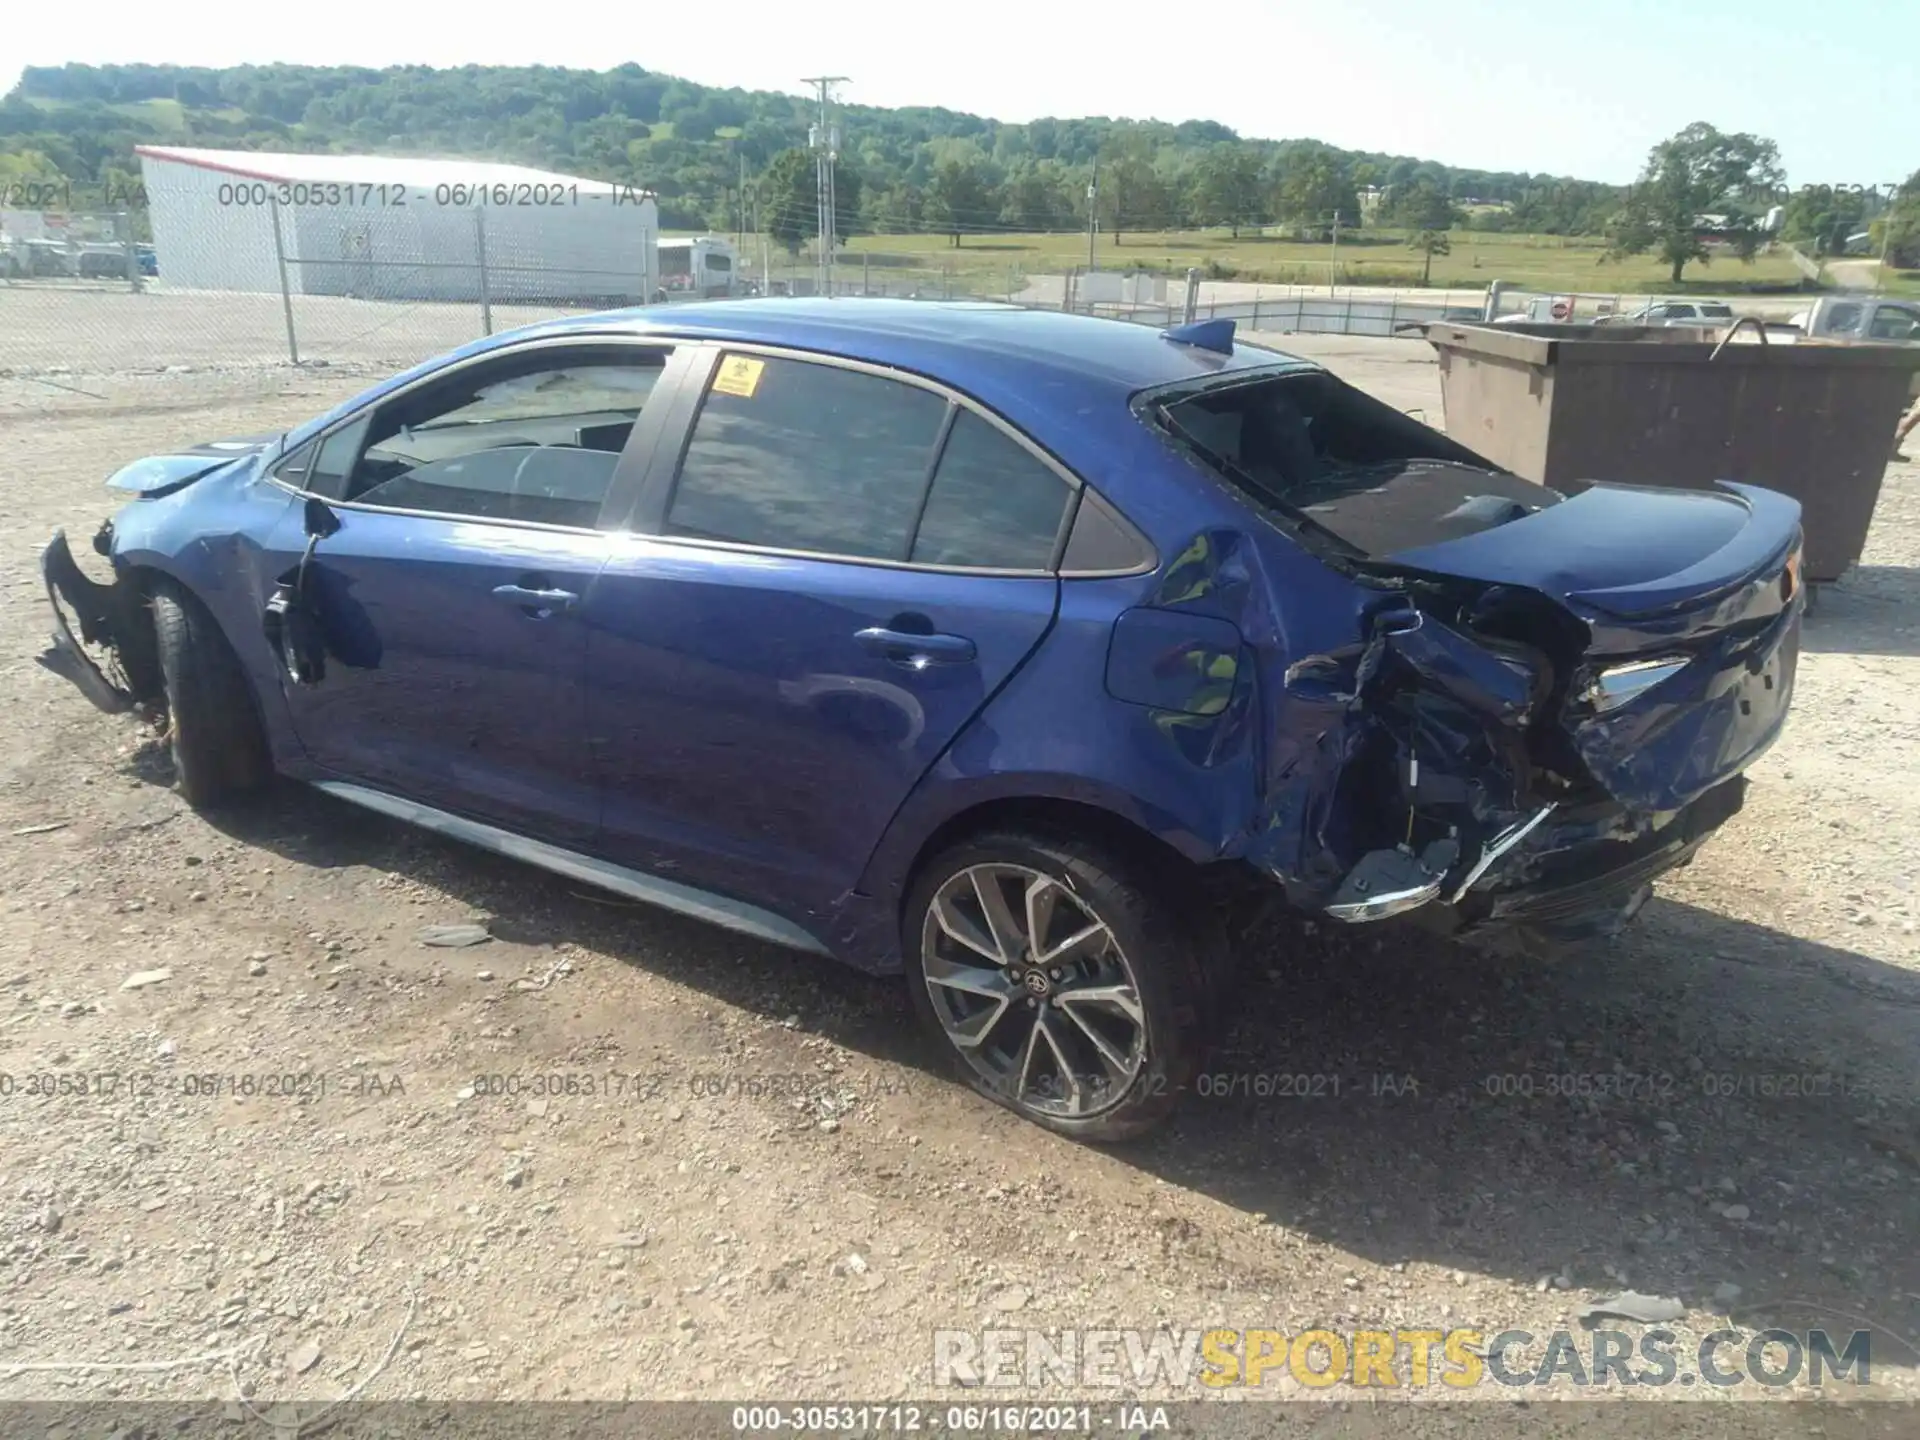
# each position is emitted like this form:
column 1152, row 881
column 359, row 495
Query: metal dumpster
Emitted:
column 1671, row 406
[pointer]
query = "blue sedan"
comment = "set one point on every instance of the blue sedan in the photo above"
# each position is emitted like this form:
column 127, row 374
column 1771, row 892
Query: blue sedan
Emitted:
column 985, row 645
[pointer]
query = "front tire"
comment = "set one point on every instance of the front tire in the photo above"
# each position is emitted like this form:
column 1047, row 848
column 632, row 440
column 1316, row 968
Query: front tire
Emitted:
column 219, row 747
column 1059, row 981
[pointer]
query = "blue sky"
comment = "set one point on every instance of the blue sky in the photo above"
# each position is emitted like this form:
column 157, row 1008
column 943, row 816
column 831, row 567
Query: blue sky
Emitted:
column 1537, row 85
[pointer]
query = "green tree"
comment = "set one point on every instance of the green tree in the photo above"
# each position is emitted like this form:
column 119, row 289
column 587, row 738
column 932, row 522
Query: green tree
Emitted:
column 789, row 199
column 959, row 199
column 1130, row 195
column 1688, row 176
column 1426, row 212
column 1035, row 198
column 1823, row 217
column 1314, row 190
column 1226, row 186
column 1899, row 229
column 895, row 209
column 789, row 196
column 1422, row 206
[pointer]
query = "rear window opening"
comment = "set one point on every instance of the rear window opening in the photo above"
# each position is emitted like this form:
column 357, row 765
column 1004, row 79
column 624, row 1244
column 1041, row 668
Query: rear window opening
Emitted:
column 1315, row 449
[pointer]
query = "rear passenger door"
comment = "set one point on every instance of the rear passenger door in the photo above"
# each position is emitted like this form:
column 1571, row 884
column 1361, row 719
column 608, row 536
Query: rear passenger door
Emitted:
column 828, row 579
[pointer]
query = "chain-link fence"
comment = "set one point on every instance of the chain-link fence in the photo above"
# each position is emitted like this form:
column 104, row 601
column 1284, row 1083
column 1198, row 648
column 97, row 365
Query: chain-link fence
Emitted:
column 370, row 289
column 243, row 279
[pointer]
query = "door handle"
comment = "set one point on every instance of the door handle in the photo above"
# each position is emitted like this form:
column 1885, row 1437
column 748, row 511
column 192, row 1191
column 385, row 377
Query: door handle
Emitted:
column 537, row 604
column 917, row 651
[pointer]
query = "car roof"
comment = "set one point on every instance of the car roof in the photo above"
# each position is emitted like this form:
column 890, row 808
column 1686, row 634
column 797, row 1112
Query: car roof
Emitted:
column 992, row 351
column 1065, row 380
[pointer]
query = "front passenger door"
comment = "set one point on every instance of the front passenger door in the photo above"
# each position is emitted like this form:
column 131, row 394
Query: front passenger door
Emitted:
column 451, row 598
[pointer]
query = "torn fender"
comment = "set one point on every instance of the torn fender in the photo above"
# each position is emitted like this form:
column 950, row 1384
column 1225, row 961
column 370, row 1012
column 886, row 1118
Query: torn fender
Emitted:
column 158, row 475
column 1423, row 766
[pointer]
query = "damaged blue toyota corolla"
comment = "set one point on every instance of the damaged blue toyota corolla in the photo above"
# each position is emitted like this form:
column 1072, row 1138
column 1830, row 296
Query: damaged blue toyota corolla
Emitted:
column 962, row 640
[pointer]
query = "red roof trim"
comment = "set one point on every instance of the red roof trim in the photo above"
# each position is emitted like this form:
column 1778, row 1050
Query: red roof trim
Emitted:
column 160, row 152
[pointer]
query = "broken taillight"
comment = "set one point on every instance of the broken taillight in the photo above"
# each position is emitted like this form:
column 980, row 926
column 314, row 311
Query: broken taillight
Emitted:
column 1616, row 685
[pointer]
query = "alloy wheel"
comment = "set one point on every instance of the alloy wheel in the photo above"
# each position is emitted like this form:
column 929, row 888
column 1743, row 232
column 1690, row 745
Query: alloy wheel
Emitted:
column 1033, row 989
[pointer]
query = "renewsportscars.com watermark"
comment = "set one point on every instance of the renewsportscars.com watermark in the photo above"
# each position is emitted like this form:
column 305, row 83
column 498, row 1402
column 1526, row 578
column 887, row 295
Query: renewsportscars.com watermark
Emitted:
column 1453, row 1359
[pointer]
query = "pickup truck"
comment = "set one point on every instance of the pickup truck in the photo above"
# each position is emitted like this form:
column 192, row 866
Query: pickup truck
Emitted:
column 1860, row 317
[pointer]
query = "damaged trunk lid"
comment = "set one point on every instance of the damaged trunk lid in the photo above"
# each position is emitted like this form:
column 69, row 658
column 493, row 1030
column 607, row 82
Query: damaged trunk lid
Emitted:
column 1527, row 647
column 1623, row 552
column 1689, row 605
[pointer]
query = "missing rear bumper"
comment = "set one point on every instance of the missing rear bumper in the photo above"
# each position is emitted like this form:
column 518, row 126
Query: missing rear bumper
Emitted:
column 1571, row 880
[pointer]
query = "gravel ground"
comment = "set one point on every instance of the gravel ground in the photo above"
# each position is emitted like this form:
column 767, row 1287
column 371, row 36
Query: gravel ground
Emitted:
column 715, row 1228
column 70, row 329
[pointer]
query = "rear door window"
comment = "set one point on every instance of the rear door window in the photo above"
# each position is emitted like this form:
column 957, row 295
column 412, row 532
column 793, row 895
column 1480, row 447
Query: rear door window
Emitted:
column 794, row 455
column 993, row 505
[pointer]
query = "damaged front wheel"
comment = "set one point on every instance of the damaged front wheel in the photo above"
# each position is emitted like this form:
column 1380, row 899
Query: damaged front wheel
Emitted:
column 219, row 746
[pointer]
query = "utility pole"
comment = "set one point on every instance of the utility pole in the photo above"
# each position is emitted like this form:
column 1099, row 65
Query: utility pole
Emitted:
column 1333, row 266
column 740, row 209
column 1886, row 249
column 824, row 141
column 1093, row 208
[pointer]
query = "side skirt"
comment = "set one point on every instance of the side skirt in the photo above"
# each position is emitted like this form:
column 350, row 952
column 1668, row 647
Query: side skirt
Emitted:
column 650, row 889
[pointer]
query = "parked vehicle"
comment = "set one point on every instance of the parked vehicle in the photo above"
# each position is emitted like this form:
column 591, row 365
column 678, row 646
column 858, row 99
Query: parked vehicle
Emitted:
column 1674, row 312
column 1860, row 317
column 707, row 268
column 1541, row 310
column 962, row 640
column 43, row 258
column 102, row 262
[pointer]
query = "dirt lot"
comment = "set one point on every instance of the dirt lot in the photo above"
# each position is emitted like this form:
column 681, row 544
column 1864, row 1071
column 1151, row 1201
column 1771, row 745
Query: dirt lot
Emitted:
column 695, row 1233
column 71, row 330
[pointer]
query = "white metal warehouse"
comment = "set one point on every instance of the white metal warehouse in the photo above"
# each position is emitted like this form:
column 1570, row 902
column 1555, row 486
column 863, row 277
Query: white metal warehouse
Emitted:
column 386, row 228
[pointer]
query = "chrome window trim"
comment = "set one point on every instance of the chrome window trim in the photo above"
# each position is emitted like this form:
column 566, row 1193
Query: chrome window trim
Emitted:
column 741, row 547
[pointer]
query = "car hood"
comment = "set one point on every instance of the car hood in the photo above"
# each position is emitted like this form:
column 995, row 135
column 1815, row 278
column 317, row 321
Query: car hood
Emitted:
column 1624, row 550
column 163, row 474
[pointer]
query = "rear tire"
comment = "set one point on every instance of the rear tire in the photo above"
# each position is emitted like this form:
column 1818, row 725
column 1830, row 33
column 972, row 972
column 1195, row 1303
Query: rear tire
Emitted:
column 219, row 746
column 1098, row 1040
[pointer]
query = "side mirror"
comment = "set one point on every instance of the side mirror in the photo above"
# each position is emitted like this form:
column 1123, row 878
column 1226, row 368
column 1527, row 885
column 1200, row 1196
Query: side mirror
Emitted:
column 320, row 519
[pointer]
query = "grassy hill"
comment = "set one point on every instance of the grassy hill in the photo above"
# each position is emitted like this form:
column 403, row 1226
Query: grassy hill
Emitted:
column 909, row 170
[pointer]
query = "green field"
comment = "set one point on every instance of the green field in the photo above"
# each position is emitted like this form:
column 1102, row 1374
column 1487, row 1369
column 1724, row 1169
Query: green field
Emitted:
column 989, row 263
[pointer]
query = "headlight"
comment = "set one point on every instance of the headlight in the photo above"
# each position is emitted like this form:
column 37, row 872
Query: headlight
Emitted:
column 1616, row 685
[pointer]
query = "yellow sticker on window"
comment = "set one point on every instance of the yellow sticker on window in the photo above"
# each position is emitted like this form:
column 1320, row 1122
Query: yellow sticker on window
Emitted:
column 738, row 375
